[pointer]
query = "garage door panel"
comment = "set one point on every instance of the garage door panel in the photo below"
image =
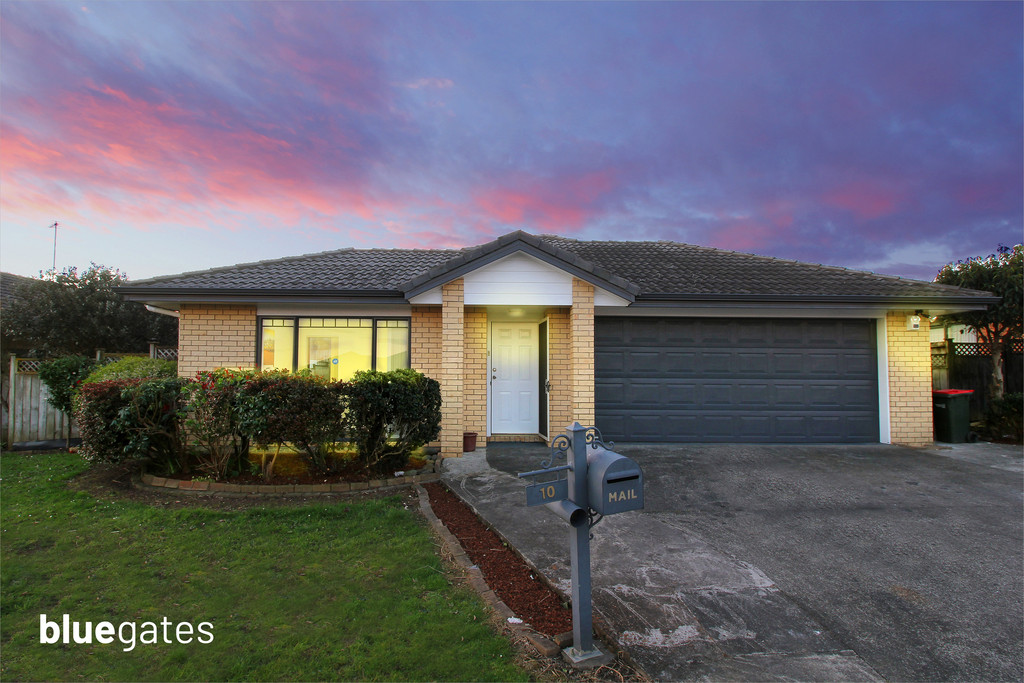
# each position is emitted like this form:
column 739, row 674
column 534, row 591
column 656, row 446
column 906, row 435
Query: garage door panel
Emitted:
column 857, row 335
column 790, row 396
column 859, row 365
column 751, row 364
column 680, row 363
column 755, row 396
column 644, row 361
column 822, row 364
column 756, row 381
column 716, row 363
column 613, row 362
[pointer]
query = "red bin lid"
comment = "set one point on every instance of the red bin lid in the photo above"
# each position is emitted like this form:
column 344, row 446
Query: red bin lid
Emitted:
column 953, row 392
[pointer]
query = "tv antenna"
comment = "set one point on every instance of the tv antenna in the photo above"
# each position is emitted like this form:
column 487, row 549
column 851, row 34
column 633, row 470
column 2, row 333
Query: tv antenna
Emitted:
column 54, row 226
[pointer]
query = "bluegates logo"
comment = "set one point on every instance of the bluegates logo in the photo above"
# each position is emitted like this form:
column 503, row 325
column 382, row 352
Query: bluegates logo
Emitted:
column 127, row 633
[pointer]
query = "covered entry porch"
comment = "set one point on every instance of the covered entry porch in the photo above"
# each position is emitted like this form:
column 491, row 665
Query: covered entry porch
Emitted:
column 508, row 370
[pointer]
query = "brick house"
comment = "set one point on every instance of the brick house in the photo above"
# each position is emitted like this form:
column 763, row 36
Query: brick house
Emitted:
column 649, row 341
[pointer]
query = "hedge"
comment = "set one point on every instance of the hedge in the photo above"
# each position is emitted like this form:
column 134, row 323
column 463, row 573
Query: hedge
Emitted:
column 383, row 415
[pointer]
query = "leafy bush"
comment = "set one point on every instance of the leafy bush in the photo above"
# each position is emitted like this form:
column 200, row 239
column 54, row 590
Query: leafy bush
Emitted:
column 389, row 414
column 262, row 414
column 134, row 367
column 311, row 419
column 150, row 419
column 210, row 407
column 1005, row 417
column 97, row 407
column 62, row 376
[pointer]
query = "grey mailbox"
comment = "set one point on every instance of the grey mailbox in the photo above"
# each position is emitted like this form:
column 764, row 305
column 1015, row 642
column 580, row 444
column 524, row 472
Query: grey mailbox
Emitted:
column 598, row 482
column 615, row 483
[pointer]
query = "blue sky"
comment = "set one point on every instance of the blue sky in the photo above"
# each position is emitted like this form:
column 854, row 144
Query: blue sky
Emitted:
column 166, row 137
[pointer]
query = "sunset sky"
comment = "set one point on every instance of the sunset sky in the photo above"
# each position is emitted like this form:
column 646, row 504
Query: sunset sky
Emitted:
column 173, row 136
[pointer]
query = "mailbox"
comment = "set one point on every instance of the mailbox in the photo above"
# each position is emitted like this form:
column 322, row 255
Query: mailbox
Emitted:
column 615, row 483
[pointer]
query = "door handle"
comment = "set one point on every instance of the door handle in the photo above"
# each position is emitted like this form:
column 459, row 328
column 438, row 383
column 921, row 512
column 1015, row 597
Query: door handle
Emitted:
column 547, row 386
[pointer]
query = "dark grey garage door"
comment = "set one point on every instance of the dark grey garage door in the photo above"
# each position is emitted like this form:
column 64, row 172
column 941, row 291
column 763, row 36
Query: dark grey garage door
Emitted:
column 736, row 380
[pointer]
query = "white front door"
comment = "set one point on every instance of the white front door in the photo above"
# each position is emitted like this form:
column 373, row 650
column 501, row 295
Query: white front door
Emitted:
column 514, row 383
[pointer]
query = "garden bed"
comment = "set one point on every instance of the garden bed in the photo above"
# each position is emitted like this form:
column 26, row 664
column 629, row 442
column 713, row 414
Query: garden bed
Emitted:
column 512, row 580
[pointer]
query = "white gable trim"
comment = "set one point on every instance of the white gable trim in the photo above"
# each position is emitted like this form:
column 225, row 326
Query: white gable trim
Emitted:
column 518, row 280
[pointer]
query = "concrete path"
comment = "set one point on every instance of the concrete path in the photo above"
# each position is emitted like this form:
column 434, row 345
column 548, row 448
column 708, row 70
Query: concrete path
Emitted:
column 691, row 586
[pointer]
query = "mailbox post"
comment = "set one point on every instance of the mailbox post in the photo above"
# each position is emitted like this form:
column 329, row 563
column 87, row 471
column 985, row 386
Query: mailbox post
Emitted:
column 599, row 482
column 582, row 649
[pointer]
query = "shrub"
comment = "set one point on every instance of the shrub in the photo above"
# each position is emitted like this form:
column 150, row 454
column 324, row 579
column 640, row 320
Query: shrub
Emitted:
column 150, row 419
column 134, row 367
column 97, row 407
column 311, row 419
column 210, row 402
column 389, row 414
column 1005, row 417
column 301, row 409
column 262, row 414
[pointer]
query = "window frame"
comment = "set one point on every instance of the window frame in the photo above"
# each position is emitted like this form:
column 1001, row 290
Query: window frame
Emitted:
column 295, row 334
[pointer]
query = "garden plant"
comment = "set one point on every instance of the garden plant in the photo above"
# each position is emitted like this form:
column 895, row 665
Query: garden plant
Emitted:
column 207, row 425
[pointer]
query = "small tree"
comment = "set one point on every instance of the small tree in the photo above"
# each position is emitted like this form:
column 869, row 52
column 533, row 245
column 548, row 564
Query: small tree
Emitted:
column 1002, row 274
column 72, row 313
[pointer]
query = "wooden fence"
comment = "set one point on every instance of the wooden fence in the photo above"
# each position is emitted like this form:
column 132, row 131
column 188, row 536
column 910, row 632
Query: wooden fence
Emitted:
column 28, row 416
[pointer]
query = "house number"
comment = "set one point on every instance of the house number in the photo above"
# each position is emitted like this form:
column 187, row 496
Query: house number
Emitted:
column 547, row 492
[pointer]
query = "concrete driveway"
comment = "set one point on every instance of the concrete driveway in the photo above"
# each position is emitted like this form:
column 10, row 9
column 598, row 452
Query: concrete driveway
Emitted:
column 794, row 562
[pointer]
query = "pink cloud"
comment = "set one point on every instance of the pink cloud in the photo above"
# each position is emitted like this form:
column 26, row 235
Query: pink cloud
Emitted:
column 746, row 235
column 864, row 199
column 550, row 204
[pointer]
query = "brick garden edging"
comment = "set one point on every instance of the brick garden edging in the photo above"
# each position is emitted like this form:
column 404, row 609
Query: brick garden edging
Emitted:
column 342, row 487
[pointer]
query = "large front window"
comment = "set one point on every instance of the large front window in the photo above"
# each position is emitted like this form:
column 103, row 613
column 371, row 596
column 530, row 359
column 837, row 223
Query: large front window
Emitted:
column 334, row 348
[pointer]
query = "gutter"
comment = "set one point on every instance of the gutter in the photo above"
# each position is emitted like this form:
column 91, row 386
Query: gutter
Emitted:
column 162, row 311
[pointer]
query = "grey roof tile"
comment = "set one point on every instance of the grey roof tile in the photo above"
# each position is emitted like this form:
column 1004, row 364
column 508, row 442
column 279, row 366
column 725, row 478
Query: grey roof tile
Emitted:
column 656, row 270
column 344, row 270
column 672, row 268
column 9, row 285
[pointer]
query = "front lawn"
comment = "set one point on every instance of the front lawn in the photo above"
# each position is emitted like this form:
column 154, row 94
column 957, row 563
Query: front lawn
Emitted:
column 336, row 591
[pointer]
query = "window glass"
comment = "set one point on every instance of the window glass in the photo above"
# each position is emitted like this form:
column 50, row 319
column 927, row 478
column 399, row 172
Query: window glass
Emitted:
column 278, row 344
column 392, row 344
column 335, row 348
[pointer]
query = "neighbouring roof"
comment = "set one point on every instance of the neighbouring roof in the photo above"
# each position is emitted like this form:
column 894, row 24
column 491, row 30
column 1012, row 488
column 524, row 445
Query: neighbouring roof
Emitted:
column 9, row 284
column 644, row 272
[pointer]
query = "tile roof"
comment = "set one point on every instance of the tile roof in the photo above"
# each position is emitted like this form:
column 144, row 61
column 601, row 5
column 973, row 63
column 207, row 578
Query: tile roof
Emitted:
column 344, row 270
column 671, row 268
column 9, row 285
column 651, row 270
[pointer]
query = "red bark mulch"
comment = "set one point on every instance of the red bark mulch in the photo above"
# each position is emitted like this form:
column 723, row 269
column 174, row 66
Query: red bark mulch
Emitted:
column 505, row 572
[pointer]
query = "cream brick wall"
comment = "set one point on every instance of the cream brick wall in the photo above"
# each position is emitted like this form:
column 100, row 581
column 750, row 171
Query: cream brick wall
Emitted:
column 560, row 410
column 583, row 352
column 910, row 380
column 475, row 374
column 452, row 367
column 425, row 339
column 212, row 336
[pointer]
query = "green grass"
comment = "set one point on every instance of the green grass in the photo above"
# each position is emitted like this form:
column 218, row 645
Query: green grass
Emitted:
column 350, row 591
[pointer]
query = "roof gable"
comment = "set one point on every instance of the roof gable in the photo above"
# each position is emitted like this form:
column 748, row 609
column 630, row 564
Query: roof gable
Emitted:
column 519, row 241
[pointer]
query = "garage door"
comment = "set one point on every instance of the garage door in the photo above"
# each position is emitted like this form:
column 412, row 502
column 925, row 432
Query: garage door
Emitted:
column 722, row 380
